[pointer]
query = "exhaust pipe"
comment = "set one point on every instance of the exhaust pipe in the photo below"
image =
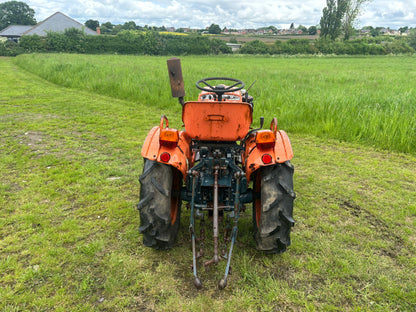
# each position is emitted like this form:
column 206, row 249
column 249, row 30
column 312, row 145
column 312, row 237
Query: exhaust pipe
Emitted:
column 176, row 79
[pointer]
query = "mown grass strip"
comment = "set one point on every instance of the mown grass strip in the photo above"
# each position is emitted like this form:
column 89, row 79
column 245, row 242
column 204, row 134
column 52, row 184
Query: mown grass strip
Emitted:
column 69, row 163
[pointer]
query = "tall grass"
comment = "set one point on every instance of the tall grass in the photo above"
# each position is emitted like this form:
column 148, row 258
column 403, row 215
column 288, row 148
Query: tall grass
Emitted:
column 370, row 100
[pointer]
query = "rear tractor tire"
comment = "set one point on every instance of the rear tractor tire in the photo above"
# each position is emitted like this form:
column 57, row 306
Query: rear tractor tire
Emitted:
column 273, row 207
column 160, row 204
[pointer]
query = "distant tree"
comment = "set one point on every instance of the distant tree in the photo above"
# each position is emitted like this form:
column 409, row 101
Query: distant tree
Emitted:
column 312, row 30
column 352, row 9
column 403, row 29
column 302, row 28
column 116, row 29
column 16, row 13
column 92, row 24
column 331, row 19
column 273, row 29
column 292, row 26
column 412, row 38
column 214, row 29
column 106, row 28
column 375, row 32
column 129, row 26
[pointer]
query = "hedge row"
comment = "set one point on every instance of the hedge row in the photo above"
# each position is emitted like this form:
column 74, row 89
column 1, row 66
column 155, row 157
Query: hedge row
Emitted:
column 354, row 47
column 153, row 43
column 126, row 42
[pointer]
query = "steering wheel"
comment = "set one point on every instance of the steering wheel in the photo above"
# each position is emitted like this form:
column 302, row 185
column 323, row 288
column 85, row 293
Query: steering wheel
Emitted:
column 220, row 89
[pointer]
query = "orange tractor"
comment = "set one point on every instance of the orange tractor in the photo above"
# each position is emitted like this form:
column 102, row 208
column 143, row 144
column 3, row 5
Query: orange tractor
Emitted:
column 210, row 165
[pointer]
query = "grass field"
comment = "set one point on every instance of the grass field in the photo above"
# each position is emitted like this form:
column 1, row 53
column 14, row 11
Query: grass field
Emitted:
column 370, row 100
column 69, row 167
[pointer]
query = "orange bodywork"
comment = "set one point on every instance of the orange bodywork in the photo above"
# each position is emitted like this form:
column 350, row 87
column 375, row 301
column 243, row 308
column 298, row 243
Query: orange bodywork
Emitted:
column 180, row 156
column 228, row 120
column 281, row 152
column 210, row 120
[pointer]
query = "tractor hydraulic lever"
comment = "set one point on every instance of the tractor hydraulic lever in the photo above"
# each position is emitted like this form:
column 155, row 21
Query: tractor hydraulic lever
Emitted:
column 216, row 258
column 197, row 281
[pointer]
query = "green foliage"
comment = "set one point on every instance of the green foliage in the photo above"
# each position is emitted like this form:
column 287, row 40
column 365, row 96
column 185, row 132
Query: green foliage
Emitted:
column 332, row 17
column 255, row 47
column 352, row 10
column 412, row 39
column 55, row 42
column 75, row 39
column 106, row 28
column 293, row 46
column 10, row 48
column 33, row 43
column 313, row 30
column 16, row 13
column 92, row 24
column 381, row 45
column 218, row 46
column 72, row 40
column 125, row 42
column 214, row 29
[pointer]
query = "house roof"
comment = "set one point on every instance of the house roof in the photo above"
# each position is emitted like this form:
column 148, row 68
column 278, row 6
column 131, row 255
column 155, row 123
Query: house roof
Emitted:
column 57, row 22
column 15, row 30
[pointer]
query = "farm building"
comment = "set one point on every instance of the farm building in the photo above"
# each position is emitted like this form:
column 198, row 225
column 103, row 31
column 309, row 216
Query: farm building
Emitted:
column 57, row 22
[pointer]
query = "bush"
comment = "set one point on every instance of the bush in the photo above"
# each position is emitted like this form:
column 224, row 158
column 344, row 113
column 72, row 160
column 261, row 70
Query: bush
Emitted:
column 10, row 48
column 412, row 39
column 255, row 47
column 33, row 43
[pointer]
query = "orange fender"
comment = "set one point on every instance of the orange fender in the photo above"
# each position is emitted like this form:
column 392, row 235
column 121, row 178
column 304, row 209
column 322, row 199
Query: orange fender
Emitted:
column 281, row 152
column 179, row 156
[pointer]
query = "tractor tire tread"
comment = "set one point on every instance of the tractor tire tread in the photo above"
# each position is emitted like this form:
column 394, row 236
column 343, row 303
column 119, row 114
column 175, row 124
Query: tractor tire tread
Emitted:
column 272, row 235
column 155, row 206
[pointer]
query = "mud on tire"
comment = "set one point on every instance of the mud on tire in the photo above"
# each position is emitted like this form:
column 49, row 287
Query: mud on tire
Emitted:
column 273, row 207
column 159, row 204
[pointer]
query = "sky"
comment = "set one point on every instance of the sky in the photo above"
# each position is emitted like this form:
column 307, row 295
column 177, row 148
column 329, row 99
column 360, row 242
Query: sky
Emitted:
column 227, row 13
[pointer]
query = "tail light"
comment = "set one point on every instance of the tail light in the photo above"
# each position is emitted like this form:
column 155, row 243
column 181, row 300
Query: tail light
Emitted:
column 165, row 157
column 169, row 138
column 266, row 159
column 265, row 139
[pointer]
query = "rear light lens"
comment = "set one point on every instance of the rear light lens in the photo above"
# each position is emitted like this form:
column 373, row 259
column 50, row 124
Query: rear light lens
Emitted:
column 265, row 139
column 169, row 138
column 266, row 159
column 165, row 157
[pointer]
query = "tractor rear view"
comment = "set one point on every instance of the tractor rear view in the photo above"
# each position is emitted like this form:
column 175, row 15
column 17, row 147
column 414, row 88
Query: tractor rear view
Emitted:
column 210, row 164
